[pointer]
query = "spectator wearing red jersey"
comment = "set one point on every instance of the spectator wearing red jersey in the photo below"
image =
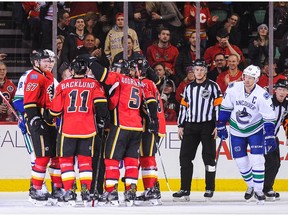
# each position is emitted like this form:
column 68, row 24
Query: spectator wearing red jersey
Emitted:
column 223, row 46
column 190, row 77
column 8, row 89
column 186, row 56
column 170, row 114
column 232, row 74
column 264, row 78
column 163, row 51
column 205, row 20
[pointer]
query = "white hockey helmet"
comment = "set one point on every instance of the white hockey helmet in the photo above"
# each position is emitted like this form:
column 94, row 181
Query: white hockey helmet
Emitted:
column 51, row 53
column 253, row 71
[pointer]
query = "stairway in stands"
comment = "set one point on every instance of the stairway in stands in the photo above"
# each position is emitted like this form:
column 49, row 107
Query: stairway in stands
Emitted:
column 13, row 44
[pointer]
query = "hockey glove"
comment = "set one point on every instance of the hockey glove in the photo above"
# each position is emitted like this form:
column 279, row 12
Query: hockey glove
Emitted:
column 38, row 125
column 221, row 130
column 153, row 126
column 269, row 138
column 22, row 126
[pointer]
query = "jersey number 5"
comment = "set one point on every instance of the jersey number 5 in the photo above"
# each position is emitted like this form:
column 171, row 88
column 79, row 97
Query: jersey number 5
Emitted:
column 134, row 101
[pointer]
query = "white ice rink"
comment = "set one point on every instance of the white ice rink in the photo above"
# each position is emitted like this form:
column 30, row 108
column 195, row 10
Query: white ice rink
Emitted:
column 222, row 203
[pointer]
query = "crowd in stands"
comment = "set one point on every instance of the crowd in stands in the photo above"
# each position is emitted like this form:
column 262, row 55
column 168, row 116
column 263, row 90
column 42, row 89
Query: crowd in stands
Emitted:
column 163, row 32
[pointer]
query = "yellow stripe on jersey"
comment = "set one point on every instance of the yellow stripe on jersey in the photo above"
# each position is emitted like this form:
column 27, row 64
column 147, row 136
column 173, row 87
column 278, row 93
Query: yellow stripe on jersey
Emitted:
column 103, row 75
column 114, row 143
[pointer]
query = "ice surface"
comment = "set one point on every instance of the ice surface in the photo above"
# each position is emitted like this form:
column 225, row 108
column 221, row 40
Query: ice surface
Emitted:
column 221, row 203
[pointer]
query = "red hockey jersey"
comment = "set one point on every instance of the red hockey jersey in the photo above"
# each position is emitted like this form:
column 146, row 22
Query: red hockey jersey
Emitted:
column 8, row 89
column 74, row 101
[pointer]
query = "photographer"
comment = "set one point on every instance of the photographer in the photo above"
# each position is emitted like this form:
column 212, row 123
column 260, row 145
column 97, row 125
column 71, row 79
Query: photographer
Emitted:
column 2, row 56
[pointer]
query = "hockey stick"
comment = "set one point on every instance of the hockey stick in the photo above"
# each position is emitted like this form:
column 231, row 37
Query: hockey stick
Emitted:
column 27, row 138
column 96, row 192
column 218, row 151
column 164, row 171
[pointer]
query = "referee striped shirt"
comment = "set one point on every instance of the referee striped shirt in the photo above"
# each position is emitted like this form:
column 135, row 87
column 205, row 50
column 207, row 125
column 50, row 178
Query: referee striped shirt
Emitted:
column 200, row 102
column 281, row 110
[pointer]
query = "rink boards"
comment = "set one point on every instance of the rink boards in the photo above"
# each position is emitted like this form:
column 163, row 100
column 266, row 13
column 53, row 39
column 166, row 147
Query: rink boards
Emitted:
column 15, row 168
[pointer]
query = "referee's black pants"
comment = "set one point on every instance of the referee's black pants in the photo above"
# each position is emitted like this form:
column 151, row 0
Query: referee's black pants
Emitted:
column 272, row 165
column 194, row 133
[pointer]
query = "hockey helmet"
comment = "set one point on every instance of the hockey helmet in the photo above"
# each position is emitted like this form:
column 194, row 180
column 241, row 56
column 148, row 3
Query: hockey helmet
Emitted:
column 142, row 64
column 79, row 66
column 281, row 83
column 38, row 55
column 122, row 65
column 253, row 71
column 51, row 53
column 199, row 62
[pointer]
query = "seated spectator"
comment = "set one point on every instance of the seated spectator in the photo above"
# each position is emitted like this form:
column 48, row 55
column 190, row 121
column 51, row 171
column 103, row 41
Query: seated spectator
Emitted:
column 185, row 57
column 131, row 54
column 231, row 75
column 159, row 69
column 8, row 89
column 264, row 78
column 113, row 44
column 73, row 41
column 169, row 90
column 92, row 47
column 258, row 48
column 63, row 23
column 223, row 46
column 189, row 78
column 164, row 52
column 170, row 114
column 91, row 19
column 205, row 22
column 220, row 66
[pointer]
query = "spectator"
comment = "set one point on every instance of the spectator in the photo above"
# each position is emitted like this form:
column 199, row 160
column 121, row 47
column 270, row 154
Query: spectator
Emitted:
column 189, row 78
column 92, row 47
column 185, row 57
column 159, row 69
column 169, row 90
column 73, row 41
column 163, row 51
column 264, row 78
column 79, row 9
column 205, row 20
column 63, row 23
column 46, row 17
column 231, row 75
column 113, row 40
column 258, row 48
column 170, row 114
column 8, row 89
column 220, row 66
column 91, row 18
column 131, row 55
column 223, row 46
column 2, row 56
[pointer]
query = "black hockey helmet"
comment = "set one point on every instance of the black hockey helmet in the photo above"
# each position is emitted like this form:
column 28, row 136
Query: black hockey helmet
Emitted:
column 142, row 64
column 79, row 65
column 281, row 83
column 122, row 65
column 38, row 55
column 199, row 62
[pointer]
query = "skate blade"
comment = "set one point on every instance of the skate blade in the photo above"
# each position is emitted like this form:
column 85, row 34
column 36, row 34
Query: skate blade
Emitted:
column 151, row 202
column 67, row 204
column 114, row 203
column 38, row 203
column 260, row 202
column 208, row 199
column 181, row 199
column 271, row 199
column 53, row 202
column 87, row 203
column 129, row 203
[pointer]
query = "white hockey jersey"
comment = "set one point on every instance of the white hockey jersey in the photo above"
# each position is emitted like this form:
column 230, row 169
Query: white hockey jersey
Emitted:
column 248, row 111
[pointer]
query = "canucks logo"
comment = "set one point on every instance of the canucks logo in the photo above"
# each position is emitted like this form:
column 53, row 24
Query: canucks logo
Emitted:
column 50, row 91
column 243, row 116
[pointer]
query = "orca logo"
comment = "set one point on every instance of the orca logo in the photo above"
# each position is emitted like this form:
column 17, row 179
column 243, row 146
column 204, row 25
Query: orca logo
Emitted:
column 243, row 116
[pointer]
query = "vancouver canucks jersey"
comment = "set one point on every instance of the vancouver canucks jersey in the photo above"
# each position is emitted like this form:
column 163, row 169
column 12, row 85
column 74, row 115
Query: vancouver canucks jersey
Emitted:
column 248, row 111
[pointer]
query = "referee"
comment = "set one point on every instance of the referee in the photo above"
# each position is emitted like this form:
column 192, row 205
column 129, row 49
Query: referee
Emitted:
column 196, row 123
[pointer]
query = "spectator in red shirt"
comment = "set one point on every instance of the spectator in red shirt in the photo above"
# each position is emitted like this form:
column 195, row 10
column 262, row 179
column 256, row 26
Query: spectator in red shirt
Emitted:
column 190, row 77
column 223, row 46
column 264, row 78
column 163, row 51
column 220, row 66
column 170, row 114
column 232, row 74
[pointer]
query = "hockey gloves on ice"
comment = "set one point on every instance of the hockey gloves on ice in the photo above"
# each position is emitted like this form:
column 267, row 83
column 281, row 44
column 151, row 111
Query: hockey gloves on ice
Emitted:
column 269, row 138
column 38, row 125
column 221, row 130
column 153, row 126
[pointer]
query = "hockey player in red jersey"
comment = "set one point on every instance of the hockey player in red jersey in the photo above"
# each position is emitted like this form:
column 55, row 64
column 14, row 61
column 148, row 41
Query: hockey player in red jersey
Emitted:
column 149, row 140
column 82, row 97
column 38, row 94
column 124, row 138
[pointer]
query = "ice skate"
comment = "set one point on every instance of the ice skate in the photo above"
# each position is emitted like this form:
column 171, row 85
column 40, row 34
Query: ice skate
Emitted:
column 85, row 194
column 130, row 195
column 181, row 196
column 208, row 195
column 37, row 197
column 151, row 196
column 56, row 194
column 68, row 199
column 260, row 197
column 270, row 195
column 109, row 198
column 249, row 194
